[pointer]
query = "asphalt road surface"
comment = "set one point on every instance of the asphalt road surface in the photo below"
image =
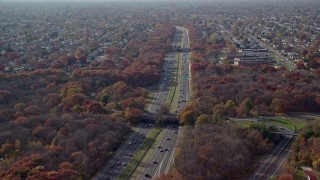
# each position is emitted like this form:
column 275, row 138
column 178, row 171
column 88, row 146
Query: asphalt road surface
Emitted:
column 124, row 153
column 161, row 158
column 271, row 165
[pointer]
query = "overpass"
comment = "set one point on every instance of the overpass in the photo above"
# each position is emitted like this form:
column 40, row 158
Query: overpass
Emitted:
column 285, row 133
column 179, row 49
column 160, row 118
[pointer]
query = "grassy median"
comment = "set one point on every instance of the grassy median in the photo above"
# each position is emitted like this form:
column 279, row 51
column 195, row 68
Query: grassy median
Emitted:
column 147, row 156
column 173, row 94
column 140, row 153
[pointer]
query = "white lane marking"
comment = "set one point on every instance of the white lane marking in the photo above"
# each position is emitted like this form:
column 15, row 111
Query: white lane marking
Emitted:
column 262, row 166
column 285, row 158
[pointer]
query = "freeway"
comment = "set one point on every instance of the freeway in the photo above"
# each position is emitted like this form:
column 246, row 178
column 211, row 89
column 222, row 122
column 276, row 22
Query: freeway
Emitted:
column 124, row 153
column 272, row 164
column 161, row 156
column 160, row 160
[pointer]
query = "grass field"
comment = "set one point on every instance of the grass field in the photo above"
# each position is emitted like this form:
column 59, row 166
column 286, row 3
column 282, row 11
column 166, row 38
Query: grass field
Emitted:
column 289, row 123
column 243, row 124
column 279, row 121
column 140, row 153
column 299, row 123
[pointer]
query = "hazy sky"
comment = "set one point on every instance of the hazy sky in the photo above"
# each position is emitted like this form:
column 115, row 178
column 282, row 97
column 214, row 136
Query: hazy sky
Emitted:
column 115, row 0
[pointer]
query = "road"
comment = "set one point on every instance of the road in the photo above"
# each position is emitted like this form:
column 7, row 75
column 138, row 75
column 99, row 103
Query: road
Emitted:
column 124, row 153
column 283, row 60
column 271, row 165
column 161, row 158
column 309, row 173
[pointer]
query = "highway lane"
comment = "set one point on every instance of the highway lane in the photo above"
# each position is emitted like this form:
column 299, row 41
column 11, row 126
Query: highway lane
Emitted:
column 166, row 78
column 122, row 157
column 159, row 99
column 160, row 159
column 126, row 151
column 274, row 170
column 160, row 156
column 263, row 169
column 168, row 159
column 183, row 81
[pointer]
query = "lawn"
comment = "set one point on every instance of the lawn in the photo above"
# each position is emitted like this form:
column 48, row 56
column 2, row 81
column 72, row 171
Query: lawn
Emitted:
column 243, row 124
column 299, row 123
column 280, row 121
column 140, row 153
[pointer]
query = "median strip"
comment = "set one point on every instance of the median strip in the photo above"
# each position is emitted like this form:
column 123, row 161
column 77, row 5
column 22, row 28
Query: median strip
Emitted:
column 139, row 155
column 147, row 157
column 173, row 95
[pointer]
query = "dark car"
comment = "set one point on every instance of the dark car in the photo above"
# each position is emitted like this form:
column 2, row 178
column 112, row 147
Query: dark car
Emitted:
column 146, row 175
column 155, row 162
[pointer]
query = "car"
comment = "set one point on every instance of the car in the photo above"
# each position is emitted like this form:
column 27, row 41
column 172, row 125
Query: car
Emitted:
column 176, row 132
column 123, row 164
column 159, row 147
column 157, row 109
column 140, row 134
column 155, row 162
column 130, row 155
column 168, row 139
column 166, row 149
column 161, row 150
column 146, row 175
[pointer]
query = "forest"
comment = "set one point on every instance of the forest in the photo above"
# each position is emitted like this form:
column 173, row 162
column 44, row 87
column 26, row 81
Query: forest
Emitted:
column 221, row 151
column 230, row 91
column 305, row 150
column 61, row 125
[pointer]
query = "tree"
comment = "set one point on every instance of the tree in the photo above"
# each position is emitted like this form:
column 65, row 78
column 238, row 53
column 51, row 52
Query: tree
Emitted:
column 202, row 119
column 230, row 107
column 286, row 177
column 244, row 108
column 5, row 96
column 279, row 105
column 133, row 115
column 104, row 99
column 187, row 118
column 32, row 110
